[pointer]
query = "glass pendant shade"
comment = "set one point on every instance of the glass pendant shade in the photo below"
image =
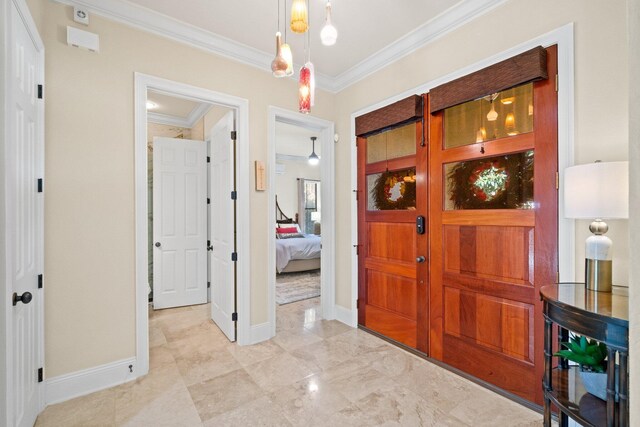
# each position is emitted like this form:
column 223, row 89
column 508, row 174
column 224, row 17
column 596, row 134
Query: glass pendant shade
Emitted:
column 288, row 57
column 329, row 33
column 313, row 158
column 492, row 116
column 279, row 63
column 299, row 16
column 304, row 90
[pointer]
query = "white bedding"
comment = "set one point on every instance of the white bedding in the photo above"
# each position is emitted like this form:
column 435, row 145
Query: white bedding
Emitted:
column 296, row 248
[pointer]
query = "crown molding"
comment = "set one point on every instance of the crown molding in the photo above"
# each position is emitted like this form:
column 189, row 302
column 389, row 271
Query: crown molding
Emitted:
column 448, row 21
column 198, row 113
column 154, row 22
column 169, row 120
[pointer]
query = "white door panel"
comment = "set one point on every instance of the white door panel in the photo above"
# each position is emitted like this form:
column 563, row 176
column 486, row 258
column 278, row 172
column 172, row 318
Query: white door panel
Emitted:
column 25, row 205
column 222, row 226
column 179, row 222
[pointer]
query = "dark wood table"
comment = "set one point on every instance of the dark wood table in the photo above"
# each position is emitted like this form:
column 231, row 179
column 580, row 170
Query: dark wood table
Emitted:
column 598, row 315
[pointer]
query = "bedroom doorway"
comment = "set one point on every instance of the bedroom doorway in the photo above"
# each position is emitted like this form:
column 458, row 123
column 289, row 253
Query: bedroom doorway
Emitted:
column 301, row 243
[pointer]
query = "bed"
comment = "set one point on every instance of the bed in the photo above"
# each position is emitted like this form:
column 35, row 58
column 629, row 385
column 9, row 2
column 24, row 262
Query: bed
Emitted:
column 295, row 254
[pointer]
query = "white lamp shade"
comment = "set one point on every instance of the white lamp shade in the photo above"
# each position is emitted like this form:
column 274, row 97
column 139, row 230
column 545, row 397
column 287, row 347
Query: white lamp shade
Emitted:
column 597, row 190
column 315, row 216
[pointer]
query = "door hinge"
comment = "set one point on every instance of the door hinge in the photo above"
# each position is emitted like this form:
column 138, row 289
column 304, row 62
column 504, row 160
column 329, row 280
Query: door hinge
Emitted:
column 40, row 185
column 557, row 180
column 208, row 285
column 234, row 195
column 40, row 375
column 40, row 281
column 357, row 194
column 556, row 82
column 234, row 135
column 208, row 201
column 208, row 159
column 358, row 303
column 234, row 317
column 357, row 249
column 234, row 256
column 40, row 91
column 557, row 277
column 209, row 247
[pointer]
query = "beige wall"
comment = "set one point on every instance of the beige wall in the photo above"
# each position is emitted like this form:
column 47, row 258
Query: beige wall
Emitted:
column 90, row 311
column 601, row 111
column 90, row 148
column 287, row 183
column 634, row 221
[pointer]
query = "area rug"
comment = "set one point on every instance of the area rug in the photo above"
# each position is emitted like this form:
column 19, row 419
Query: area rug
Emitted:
column 292, row 287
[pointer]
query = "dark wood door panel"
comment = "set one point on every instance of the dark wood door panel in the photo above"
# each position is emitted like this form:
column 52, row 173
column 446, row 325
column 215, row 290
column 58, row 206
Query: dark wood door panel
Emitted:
column 511, row 375
column 401, row 329
column 491, row 252
column 502, row 325
column 391, row 241
column 393, row 293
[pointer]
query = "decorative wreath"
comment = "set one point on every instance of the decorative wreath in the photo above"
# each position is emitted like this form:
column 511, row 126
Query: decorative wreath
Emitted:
column 504, row 182
column 382, row 191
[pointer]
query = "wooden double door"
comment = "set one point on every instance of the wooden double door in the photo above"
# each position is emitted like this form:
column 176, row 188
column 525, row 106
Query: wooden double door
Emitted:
column 490, row 242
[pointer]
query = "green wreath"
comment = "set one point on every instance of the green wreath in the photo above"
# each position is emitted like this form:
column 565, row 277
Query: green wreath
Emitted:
column 503, row 182
column 381, row 192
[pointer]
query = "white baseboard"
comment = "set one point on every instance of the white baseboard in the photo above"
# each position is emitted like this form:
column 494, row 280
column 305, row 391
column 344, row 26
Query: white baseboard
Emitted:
column 260, row 332
column 80, row 383
column 346, row 316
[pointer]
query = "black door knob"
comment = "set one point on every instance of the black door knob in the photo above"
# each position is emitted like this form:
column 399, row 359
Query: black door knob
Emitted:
column 420, row 259
column 24, row 298
column 158, row 244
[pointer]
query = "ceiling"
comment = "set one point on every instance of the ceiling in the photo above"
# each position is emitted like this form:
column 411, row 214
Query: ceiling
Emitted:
column 360, row 35
column 171, row 105
column 371, row 33
column 295, row 140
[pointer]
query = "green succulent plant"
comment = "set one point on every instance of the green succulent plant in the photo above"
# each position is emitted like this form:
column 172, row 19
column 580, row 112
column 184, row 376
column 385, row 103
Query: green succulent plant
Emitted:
column 589, row 354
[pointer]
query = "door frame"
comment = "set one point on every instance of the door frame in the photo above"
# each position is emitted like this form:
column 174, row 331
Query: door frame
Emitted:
column 6, row 217
column 564, row 38
column 326, row 131
column 143, row 83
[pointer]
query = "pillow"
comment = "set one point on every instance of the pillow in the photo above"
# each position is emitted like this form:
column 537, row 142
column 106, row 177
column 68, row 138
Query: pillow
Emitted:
column 289, row 235
column 282, row 230
column 290, row 225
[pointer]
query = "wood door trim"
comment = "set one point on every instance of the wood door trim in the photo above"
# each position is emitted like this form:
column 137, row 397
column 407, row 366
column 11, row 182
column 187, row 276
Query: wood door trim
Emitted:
column 404, row 162
column 401, row 268
column 497, row 147
column 506, row 217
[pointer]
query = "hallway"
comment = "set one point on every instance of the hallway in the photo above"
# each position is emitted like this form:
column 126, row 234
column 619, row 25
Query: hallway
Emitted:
column 314, row 372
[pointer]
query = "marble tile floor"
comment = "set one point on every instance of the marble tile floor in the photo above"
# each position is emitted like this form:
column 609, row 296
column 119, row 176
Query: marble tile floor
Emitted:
column 313, row 373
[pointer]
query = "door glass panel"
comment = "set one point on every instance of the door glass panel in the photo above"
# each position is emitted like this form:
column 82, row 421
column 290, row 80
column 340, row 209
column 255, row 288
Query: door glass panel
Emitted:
column 501, row 182
column 392, row 190
column 391, row 144
column 506, row 113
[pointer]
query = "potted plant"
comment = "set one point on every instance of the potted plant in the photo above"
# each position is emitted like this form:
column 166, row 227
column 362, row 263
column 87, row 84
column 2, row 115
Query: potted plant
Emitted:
column 591, row 355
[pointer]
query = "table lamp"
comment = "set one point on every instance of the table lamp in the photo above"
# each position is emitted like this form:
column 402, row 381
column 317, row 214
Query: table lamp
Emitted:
column 597, row 191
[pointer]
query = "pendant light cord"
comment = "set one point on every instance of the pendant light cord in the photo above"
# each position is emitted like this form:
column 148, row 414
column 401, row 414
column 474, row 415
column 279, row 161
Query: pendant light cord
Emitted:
column 278, row 15
column 285, row 20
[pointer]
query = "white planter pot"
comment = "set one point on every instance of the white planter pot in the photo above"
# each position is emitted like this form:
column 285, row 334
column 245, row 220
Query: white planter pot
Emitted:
column 596, row 383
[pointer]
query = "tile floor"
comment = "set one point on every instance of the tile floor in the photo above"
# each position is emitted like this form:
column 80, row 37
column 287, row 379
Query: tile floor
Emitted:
column 313, row 373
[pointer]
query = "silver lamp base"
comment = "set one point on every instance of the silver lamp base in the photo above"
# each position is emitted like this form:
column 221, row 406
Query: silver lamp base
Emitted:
column 598, row 275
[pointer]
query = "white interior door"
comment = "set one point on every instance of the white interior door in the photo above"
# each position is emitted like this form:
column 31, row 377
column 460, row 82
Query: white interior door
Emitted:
column 222, row 226
column 25, row 220
column 179, row 222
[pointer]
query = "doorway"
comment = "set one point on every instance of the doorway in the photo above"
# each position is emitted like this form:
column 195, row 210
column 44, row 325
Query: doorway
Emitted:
column 216, row 106
column 305, row 199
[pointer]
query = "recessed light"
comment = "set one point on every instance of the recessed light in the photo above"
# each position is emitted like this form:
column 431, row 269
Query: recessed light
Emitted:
column 151, row 105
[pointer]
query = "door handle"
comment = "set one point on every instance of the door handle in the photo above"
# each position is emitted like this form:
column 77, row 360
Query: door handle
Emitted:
column 158, row 244
column 24, row 298
column 420, row 259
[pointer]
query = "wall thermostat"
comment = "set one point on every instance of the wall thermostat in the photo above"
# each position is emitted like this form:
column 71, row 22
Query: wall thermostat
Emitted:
column 81, row 15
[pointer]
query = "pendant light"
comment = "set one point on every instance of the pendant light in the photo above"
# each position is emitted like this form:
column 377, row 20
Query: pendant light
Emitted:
column 329, row 33
column 299, row 16
column 279, row 63
column 492, row 115
column 306, row 83
column 313, row 158
column 286, row 49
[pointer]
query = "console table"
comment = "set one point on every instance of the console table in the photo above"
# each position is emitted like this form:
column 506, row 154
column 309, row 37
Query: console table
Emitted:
column 597, row 315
